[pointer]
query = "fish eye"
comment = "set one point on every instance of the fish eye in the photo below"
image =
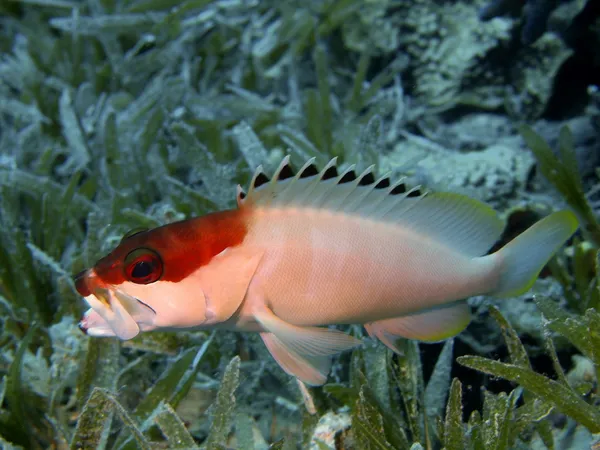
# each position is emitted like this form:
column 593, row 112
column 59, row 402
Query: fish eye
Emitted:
column 143, row 266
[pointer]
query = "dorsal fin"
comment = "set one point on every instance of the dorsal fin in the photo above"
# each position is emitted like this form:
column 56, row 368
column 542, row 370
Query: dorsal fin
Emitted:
column 383, row 183
column 457, row 221
column 259, row 179
column 309, row 170
column 399, row 188
column 285, row 172
column 349, row 175
column 330, row 173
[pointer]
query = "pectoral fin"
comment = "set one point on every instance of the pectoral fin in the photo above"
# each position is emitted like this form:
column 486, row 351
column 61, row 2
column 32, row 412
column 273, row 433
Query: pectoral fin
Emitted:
column 431, row 326
column 310, row 369
column 304, row 352
column 227, row 278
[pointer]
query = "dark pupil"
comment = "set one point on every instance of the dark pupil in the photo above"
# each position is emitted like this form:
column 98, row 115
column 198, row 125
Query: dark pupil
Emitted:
column 141, row 269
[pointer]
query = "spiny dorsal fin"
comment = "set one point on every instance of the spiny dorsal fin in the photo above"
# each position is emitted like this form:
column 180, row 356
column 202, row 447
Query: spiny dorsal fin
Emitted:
column 457, row 221
column 309, row 170
column 285, row 185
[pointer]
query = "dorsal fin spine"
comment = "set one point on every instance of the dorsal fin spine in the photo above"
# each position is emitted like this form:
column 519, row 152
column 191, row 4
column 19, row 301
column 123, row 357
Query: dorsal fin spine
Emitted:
column 284, row 162
column 321, row 188
column 299, row 176
column 334, row 202
column 272, row 187
column 240, row 196
column 407, row 205
column 391, row 200
column 257, row 172
column 319, row 193
column 306, row 165
column 313, row 184
column 252, row 190
column 367, row 189
column 287, row 183
column 377, row 198
column 395, row 185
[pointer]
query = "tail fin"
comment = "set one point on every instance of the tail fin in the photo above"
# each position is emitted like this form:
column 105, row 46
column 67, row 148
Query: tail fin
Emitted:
column 524, row 257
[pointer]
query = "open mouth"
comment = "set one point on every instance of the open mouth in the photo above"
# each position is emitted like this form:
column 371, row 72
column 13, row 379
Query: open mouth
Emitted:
column 112, row 312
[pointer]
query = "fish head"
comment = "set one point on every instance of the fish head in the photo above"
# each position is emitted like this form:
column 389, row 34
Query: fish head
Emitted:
column 140, row 286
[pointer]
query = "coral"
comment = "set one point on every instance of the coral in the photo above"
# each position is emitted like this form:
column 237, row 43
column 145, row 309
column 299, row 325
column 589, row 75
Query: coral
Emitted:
column 446, row 43
column 536, row 14
column 330, row 429
column 540, row 16
column 457, row 59
column 473, row 132
column 531, row 76
column 493, row 174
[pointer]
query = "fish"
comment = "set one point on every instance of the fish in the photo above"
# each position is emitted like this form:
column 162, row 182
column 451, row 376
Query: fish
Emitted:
column 306, row 250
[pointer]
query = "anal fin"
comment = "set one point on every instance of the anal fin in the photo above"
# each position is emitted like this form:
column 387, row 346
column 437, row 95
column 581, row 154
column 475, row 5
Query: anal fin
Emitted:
column 430, row 326
column 303, row 352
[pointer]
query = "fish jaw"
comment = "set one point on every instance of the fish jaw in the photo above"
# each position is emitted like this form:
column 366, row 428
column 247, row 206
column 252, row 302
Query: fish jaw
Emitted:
column 92, row 324
column 112, row 312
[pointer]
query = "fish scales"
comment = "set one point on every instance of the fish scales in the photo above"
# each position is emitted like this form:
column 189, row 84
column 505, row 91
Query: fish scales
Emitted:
column 321, row 267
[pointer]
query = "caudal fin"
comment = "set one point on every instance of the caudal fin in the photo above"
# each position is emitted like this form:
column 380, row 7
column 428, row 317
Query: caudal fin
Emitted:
column 524, row 257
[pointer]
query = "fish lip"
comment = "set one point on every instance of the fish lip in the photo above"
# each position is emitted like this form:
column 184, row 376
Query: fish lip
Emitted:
column 80, row 282
column 114, row 312
column 99, row 327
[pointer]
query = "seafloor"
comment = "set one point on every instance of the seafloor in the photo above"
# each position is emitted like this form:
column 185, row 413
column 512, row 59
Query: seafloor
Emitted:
column 119, row 114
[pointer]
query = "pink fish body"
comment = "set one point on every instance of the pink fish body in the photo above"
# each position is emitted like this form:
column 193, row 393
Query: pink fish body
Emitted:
column 311, row 249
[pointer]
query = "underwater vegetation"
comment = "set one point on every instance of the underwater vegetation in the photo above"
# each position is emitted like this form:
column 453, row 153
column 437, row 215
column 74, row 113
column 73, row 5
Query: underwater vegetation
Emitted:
column 117, row 115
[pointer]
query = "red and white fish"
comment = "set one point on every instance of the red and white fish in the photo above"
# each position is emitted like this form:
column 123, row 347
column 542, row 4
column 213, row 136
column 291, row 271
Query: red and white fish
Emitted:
column 317, row 248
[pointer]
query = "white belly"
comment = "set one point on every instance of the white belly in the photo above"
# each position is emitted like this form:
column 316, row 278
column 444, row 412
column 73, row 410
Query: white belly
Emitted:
column 324, row 268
